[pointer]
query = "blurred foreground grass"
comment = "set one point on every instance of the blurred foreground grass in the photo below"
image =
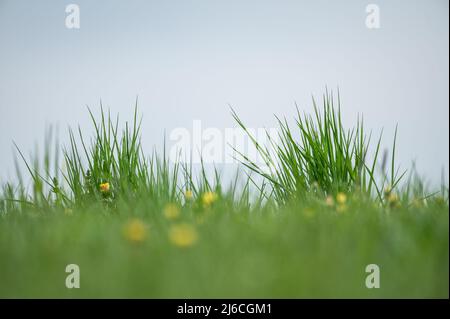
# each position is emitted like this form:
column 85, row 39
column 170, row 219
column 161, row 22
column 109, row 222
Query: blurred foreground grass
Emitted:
column 308, row 251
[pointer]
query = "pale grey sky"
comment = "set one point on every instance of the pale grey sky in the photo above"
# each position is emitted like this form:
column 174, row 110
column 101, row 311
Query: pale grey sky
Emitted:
column 187, row 60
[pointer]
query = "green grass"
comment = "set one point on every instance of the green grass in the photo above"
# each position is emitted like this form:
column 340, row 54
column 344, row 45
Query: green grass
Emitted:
column 327, row 157
column 307, row 227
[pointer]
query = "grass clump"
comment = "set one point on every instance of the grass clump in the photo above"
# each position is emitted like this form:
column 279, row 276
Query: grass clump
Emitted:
column 324, row 157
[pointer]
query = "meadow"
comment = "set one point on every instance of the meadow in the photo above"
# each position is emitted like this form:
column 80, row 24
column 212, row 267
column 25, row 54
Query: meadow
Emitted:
column 327, row 203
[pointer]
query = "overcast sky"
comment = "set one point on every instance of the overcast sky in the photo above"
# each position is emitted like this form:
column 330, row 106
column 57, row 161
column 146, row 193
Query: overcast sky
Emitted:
column 187, row 60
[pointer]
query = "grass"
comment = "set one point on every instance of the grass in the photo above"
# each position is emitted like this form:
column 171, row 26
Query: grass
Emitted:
column 328, row 157
column 144, row 227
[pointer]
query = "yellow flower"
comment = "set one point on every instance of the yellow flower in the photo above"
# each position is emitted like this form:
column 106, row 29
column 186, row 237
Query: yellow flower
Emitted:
column 329, row 201
column 387, row 191
column 104, row 187
column 183, row 235
column 188, row 194
column 135, row 231
column 393, row 200
column 171, row 211
column 208, row 198
column 341, row 198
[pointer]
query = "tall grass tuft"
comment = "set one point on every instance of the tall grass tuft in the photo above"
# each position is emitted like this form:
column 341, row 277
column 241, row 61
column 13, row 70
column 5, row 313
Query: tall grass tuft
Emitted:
column 117, row 160
column 325, row 158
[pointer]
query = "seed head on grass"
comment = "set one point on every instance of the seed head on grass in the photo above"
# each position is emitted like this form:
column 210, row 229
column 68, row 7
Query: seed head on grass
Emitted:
column 183, row 235
column 171, row 211
column 135, row 231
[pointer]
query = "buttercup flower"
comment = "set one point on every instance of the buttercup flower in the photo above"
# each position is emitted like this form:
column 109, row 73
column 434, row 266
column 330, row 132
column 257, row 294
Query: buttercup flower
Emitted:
column 135, row 231
column 208, row 198
column 104, row 187
column 393, row 200
column 183, row 235
column 171, row 211
column 188, row 194
column 341, row 198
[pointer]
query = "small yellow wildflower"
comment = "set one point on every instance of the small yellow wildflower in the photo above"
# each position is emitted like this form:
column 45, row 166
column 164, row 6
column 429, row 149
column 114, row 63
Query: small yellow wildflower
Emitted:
column 393, row 200
column 341, row 198
column 329, row 201
column 171, row 211
column 208, row 198
column 387, row 191
column 188, row 195
column 104, row 187
column 183, row 235
column 135, row 231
